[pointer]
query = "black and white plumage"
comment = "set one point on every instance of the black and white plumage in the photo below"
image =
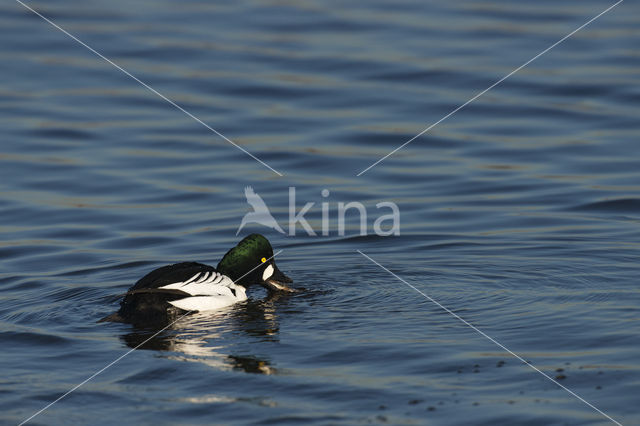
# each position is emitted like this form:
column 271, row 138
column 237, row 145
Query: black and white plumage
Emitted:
column 188, row 286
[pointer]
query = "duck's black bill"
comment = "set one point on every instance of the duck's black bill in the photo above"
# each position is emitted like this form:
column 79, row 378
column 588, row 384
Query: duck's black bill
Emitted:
column 278, row 281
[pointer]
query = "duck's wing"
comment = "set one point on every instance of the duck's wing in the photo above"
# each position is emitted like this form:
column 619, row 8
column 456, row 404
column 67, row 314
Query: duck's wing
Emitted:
column 190, row 286
column 184, row 272
column 208, row 291
column 209, row 283
column 168, row 292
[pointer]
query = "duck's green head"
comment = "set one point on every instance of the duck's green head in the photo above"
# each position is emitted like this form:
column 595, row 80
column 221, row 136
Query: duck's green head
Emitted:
column 251, row 262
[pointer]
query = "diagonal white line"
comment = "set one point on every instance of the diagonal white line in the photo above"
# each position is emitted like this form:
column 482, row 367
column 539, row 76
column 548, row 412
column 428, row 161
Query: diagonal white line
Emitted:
column 494, row 341
column 122, row 356
column 149, row 87
column 491, row 87
column 98, row 372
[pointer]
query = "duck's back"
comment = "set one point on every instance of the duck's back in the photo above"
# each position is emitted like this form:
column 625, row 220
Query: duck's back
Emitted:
column 178, row 272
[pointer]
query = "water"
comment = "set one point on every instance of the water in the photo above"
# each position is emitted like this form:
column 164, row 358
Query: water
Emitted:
column 519, row 213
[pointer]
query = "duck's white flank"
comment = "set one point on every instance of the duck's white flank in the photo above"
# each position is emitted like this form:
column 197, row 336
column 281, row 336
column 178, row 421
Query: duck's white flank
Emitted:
column 209, row 291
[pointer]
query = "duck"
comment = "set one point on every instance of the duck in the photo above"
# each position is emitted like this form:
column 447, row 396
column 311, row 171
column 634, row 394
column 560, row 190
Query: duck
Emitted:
column 185, row 287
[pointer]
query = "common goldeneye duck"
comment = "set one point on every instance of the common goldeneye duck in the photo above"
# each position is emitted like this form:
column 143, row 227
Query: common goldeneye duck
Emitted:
column 190, row 286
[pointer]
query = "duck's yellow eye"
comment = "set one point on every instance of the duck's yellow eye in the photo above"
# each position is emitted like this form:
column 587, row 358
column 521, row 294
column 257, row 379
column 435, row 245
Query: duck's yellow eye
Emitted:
column 264, row 259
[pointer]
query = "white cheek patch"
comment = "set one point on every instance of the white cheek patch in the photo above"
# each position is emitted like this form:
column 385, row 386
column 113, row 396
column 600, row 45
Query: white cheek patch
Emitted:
column 268, row 271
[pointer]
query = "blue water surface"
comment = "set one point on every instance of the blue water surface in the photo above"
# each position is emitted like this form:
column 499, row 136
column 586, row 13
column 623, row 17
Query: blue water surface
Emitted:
column 520, row 213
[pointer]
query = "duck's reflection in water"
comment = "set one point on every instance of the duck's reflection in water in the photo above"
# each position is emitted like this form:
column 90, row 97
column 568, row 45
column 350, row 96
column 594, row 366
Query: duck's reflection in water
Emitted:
column 196, row 337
